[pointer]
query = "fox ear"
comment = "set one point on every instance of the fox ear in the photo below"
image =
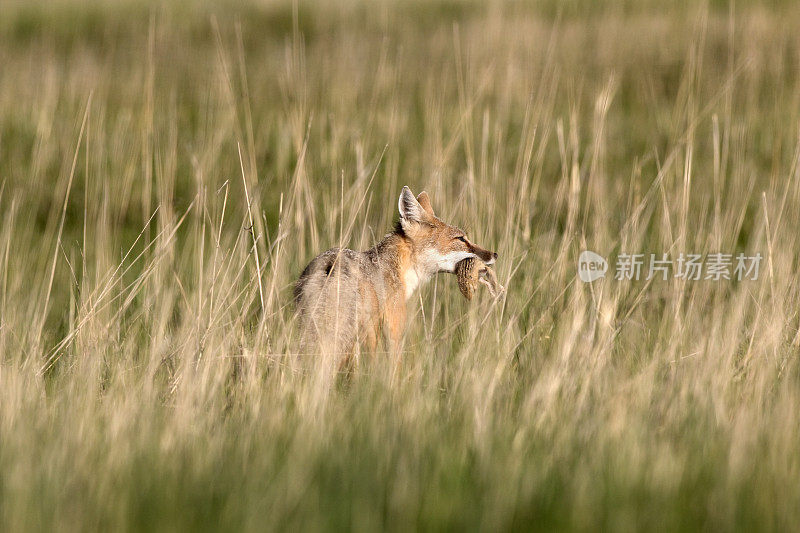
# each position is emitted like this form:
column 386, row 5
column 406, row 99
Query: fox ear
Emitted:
column 425, row 201
column 410, row 209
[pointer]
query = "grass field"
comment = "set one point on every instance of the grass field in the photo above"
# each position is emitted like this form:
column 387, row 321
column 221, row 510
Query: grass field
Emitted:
column 167, row 169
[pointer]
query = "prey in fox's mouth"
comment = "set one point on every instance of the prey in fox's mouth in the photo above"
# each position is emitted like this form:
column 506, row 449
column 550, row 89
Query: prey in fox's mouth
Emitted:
column 471, row 271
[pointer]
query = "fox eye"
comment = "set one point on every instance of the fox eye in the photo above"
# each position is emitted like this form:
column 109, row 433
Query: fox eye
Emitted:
column 462, row 238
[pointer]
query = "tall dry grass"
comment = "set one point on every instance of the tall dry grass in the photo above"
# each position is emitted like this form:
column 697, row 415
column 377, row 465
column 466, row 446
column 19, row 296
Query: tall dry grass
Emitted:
column 167, row 171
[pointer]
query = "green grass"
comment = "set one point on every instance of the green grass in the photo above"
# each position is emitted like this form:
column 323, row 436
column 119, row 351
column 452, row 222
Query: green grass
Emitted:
column 144, row 385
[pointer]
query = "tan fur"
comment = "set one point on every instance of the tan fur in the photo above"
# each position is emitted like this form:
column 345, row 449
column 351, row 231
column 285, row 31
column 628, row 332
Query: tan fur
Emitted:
column 346, row 298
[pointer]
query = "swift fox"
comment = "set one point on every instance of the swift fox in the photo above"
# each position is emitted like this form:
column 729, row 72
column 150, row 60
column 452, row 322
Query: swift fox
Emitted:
column 346, row 298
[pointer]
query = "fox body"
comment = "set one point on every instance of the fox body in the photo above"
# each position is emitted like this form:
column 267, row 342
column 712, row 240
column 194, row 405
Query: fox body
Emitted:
column 346, row 298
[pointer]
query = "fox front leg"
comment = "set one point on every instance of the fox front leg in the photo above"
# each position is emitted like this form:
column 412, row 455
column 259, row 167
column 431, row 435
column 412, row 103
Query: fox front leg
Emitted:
column 394, row 326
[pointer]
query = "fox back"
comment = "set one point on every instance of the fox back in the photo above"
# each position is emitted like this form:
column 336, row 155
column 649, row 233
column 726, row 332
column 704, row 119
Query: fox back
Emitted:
column 338, row 297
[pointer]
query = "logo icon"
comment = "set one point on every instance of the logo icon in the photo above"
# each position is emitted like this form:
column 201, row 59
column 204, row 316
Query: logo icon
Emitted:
column 591, row 266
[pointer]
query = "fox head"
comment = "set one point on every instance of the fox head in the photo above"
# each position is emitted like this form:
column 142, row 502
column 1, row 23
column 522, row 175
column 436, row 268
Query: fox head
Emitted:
column 438, row 246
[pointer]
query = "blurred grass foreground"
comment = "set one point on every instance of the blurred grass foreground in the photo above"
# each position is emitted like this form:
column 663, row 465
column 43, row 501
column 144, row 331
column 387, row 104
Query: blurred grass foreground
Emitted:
column 147, row 376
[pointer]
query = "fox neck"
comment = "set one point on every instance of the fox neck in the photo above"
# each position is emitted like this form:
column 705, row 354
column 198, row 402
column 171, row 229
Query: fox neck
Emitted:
column 413, row 273
column 410, row 271
column 413, row 278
